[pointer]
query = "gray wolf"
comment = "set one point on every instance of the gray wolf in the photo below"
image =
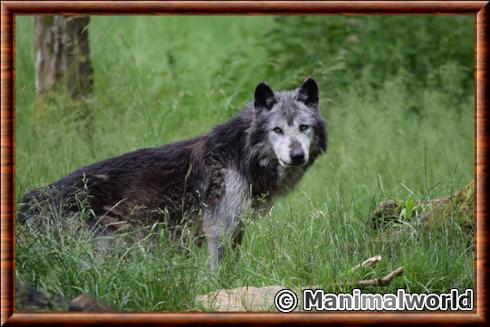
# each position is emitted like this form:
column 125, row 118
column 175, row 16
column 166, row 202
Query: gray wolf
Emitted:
column 213, row 179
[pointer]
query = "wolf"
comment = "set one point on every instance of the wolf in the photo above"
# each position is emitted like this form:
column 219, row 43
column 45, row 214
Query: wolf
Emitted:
column 212, row 180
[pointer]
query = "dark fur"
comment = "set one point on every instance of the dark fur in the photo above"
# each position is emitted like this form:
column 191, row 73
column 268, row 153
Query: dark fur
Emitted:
column 184, row 177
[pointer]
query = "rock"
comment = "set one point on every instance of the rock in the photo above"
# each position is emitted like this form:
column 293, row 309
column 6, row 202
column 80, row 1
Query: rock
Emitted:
column 28, row 299
column 248, row 298
column 85, row 302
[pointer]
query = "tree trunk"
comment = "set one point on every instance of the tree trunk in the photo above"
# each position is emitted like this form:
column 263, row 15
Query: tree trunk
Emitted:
column 63, row 55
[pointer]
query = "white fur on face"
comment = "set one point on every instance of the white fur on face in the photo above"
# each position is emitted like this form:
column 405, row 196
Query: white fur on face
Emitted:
column 281, row 142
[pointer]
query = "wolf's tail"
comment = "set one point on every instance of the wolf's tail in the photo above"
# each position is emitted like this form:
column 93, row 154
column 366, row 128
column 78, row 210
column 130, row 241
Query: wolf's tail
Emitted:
column 27, row 207
column 42, row 203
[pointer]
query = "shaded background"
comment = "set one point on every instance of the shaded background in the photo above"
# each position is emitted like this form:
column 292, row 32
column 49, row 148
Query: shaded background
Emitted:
column 397, row 93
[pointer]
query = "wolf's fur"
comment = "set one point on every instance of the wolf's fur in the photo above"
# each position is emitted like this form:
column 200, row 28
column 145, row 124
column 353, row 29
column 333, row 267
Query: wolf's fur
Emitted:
column 259, row 154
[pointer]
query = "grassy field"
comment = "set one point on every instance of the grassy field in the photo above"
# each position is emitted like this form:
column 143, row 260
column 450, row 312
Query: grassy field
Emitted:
column 407, row 134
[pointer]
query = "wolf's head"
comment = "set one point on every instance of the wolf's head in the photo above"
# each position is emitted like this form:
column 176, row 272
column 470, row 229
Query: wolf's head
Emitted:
column 288, row 124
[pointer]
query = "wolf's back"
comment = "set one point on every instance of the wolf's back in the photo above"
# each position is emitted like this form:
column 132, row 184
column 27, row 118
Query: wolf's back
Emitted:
column 156, row 177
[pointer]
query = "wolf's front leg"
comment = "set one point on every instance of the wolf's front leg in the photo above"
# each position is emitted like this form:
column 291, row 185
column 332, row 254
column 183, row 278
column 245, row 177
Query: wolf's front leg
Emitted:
column 216, row 251
column 221, row 220
column 220, row 231
column 217, row 240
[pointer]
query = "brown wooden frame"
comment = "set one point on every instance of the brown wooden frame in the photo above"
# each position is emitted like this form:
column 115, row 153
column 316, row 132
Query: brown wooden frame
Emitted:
column 9, row 9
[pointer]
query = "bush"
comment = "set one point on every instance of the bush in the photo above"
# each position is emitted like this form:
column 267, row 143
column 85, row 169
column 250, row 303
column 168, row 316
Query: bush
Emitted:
column 339, row 50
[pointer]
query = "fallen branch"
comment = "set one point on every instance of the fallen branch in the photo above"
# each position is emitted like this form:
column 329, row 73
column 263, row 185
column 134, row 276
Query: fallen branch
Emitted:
column 381, row 281
column 371, row 262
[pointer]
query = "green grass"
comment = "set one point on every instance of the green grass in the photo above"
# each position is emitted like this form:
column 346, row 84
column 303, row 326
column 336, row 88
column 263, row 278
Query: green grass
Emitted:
column 162, row 79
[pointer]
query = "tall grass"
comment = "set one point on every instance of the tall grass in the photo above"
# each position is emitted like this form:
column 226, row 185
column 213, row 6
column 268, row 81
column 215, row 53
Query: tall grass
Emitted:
column 408, row 133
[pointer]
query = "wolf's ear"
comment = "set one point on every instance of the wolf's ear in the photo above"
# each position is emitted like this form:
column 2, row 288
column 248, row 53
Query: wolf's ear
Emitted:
column 264, row 97
column 308, row 93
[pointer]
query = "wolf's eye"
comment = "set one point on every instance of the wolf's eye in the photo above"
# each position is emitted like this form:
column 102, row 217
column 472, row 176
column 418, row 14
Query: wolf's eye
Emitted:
column 303, row 127
column 278, row 130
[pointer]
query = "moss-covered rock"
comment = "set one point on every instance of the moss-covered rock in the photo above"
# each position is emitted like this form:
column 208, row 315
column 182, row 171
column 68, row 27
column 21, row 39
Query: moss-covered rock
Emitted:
column 432, row 214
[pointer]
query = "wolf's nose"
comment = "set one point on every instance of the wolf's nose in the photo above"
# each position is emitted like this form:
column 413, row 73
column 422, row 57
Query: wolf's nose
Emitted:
column 297, row 157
